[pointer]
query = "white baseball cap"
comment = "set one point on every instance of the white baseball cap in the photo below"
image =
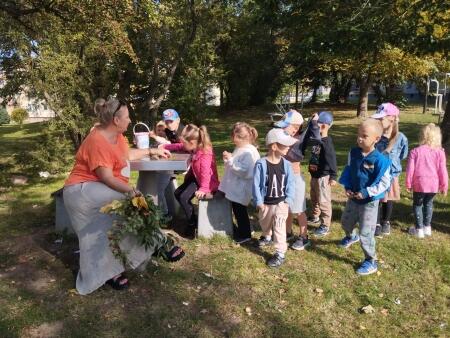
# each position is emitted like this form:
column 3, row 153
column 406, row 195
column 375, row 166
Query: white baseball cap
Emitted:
column 291, row 117
column 278, row 135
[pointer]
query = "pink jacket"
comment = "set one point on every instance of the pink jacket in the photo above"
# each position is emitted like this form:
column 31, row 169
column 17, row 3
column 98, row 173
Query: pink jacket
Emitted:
column 426, row 170
column 203, row 167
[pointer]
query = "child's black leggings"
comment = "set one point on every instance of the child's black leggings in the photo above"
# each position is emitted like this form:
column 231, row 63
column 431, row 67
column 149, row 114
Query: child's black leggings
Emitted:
column 243, row 222
column 385, row 212
column 184, row 194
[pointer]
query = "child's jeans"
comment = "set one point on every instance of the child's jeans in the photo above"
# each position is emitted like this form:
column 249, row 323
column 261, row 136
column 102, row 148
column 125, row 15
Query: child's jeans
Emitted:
column 366, row 216
column 243, row 222
column 321, row 199
column 423, row 208
column 274, row 219
column 184, row 195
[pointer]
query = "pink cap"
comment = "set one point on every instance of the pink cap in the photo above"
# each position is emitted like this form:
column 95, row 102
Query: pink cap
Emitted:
column 386, row 109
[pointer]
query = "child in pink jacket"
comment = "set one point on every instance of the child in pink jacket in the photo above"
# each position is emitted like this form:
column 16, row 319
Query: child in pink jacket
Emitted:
column 426, row 175
column 201, row 179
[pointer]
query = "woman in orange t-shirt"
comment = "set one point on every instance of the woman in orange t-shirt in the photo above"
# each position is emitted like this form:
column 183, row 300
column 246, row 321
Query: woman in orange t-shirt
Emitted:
column 100, row 175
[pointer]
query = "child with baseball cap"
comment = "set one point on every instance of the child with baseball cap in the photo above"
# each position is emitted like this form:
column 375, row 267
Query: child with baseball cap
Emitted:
column 273, row 192
column 173, row 125
column 323, row 170
column 394, row 145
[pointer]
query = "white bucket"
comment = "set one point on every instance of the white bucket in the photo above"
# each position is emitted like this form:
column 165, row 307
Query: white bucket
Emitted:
column 141, row 139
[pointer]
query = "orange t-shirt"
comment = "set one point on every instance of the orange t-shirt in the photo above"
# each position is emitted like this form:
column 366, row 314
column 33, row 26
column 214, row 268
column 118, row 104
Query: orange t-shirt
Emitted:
column 96, row 151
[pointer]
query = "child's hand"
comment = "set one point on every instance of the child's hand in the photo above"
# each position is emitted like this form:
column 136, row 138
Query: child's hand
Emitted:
column 358, row 196
column 261, row 207
column 349, row 193
column 332, row 183
column 408, row 189
column 444, row 193
column 152, row 134
column 200, row 194
column 315, row 117
column 226, row 155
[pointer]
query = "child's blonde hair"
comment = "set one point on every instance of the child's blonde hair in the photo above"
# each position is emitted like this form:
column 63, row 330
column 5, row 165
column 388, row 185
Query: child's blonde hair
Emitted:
column 394, row 135
column 376, row 126
column 238, row 131
column 431, row 136
column 200, row 134
column 161, row 123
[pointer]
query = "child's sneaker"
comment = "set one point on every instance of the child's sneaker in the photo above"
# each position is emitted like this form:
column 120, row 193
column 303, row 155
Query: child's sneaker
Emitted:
column 418, row 232
column 322, row 230
column 347, row 241
column 263, row 241
column 289, row 236
column 239, row 240
column 313, row 220
column 378, row 231
column 386, row 228
column 275, row 261
column 367, row 267
column 301, row 244
column 427, row 230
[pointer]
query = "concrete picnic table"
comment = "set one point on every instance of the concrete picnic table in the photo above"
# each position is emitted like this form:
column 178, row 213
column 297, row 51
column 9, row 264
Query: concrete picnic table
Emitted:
column 150, row 171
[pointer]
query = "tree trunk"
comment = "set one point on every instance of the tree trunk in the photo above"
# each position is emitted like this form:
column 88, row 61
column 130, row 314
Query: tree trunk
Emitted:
column 425, row 101
column 314, row 95
column 445, row 126
column 296, row 94
column 363, row 99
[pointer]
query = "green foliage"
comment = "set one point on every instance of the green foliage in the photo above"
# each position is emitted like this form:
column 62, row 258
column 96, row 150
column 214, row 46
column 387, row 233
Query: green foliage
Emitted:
column 4, row 116
column 138, row 216
column 18, row 115
column 52, row 152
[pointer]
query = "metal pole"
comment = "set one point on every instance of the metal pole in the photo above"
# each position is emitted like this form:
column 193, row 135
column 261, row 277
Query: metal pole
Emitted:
column 427, row 88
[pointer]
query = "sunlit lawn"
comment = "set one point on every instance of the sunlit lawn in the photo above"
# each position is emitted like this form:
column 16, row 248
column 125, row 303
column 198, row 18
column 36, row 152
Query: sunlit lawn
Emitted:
column 315, row 294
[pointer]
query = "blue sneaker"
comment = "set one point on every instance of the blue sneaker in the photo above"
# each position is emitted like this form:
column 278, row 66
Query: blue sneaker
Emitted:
column 347, row 241
column 367, row 267
column 322, row 230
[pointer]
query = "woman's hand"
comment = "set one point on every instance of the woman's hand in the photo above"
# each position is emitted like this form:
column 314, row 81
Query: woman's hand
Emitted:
column 152, row 134
column 358, row 196
column 160, row 152
column 349, row 193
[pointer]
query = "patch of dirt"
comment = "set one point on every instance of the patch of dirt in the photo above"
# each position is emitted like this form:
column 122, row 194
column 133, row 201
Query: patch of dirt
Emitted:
column 45, row 330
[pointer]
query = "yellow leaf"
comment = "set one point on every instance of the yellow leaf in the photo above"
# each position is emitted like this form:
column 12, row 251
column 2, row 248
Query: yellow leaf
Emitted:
column 106, row 208
column 140, row 202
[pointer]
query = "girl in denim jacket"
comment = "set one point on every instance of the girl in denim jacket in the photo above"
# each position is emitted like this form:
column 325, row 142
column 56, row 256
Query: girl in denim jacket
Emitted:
column 393, row 144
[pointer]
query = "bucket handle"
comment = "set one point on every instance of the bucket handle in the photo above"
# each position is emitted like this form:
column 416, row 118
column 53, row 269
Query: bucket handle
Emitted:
column 142, row 123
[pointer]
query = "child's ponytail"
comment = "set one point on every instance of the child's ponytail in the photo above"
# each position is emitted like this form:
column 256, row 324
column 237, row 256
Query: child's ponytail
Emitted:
column 394, row 135
column 204, row 140
column 253, row 136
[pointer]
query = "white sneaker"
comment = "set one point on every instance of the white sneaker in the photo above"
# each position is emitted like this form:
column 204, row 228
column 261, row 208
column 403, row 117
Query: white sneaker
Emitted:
column 427, row 230
column 419, row 233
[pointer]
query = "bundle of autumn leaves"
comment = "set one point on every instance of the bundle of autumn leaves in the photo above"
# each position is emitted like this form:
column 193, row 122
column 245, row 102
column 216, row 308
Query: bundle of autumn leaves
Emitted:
column 140, row 217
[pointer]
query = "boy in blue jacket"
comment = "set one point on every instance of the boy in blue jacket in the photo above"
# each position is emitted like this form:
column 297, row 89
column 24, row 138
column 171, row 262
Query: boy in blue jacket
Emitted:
column 273, row 192
column 366, row 179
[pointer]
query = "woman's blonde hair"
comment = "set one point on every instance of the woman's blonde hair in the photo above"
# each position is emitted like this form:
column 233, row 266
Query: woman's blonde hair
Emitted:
column 431, row 136
column 200, row 134
column 106, row 110
column 243, row 131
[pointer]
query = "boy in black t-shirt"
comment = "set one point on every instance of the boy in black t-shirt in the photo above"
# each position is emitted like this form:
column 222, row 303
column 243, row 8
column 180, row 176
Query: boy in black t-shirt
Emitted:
column 323, row 170
column 173, row 125
column 273, row 192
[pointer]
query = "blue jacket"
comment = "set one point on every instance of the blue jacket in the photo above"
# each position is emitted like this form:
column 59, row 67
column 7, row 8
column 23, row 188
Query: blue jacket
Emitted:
column 369, row 175
column 398, row 152
column 259, row 182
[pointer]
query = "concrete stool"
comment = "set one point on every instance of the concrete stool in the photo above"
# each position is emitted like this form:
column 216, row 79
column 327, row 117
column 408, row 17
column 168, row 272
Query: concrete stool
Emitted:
column 172, row 204
column 214, row 217
column 62, row 219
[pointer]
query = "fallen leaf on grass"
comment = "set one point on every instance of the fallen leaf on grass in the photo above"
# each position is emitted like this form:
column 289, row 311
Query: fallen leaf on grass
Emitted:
column 380, row 295
column 186, row 303
column 73, row 292
column 318, row 290
column 378, row 273
column 384, row 312
column 248, row 310
column 397, row 301
column 203, row 311
column 367, row 309
column 362, row 327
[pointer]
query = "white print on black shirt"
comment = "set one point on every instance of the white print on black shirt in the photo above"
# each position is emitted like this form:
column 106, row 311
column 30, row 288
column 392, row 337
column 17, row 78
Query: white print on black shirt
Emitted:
column 274, row 191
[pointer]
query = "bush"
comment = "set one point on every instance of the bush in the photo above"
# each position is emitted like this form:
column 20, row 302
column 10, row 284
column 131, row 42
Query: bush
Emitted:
column 18, row 115
column 4, row 117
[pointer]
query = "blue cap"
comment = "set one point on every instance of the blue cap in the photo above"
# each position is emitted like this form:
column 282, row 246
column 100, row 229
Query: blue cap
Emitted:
column 291, row 117
column 325, row 117
column 170, row 115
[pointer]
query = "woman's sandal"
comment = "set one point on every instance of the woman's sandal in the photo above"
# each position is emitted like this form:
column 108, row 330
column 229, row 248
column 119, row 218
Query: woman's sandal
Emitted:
column 175, row 254
column 118, row 283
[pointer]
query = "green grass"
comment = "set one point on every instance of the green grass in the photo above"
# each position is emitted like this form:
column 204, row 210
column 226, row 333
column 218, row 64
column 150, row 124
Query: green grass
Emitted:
column 36, row 281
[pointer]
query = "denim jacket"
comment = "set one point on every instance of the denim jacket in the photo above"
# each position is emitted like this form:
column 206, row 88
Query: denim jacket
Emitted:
column 398, row 153
column 259, row 182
